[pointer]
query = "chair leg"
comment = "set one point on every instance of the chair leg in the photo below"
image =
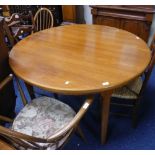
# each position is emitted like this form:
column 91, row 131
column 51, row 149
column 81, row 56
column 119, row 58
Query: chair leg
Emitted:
column 80, row 133
column 135, row 114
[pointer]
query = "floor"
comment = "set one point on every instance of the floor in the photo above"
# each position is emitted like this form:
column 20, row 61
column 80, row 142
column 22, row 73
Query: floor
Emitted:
column 121, row 135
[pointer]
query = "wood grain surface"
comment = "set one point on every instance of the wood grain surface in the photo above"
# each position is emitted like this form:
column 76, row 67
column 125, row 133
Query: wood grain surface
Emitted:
column 5, row 146
column 79, row 59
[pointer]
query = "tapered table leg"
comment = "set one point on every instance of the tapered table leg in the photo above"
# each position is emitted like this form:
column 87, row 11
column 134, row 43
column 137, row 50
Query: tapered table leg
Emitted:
column 105, row 115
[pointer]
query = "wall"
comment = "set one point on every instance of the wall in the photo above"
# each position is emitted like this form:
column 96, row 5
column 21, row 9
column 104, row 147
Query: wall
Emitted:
column 83, row 13
column 87, row 14
column 84, row 16
column 152, row 31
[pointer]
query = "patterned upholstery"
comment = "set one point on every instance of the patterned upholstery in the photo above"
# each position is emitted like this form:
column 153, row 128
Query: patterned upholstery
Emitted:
column 130, row 91
column 43, row 117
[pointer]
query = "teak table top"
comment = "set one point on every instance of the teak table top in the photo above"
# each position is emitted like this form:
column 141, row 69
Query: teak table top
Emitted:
column 79, row 59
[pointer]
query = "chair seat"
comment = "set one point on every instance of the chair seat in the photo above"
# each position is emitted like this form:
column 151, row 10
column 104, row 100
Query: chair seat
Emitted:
column 43, row 117
column 130, row 91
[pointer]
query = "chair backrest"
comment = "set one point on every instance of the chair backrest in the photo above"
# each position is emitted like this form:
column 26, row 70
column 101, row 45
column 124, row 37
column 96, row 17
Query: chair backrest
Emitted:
column 43, row 19
column 149, row 69
column 10, row 40
column 4, row 66
column 20, row 19
column 18, row 25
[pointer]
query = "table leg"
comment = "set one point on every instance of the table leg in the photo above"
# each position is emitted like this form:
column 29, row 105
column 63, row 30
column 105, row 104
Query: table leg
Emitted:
column 105, row 114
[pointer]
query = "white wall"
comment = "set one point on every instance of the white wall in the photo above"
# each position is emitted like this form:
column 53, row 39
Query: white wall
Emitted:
column 84, row 16
column 87, row 14
column 83, row 13
column 152, row 31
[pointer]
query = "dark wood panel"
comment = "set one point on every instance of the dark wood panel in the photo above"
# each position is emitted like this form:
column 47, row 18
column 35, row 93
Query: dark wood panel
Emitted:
column 107, row 21
column 135, row 19
column 137, row 8
column 7, row 95
column 69, row 13
column 139, row 28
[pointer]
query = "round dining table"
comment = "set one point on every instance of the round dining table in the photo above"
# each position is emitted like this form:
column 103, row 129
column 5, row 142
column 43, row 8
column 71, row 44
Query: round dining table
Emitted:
column 81, row 59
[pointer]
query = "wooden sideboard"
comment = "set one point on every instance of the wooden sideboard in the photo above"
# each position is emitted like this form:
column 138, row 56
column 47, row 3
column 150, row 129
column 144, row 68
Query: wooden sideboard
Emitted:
column 135, row 19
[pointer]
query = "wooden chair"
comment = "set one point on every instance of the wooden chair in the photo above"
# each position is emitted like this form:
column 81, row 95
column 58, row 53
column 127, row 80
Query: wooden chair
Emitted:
column 44, row 123
column 135, row 89
column 7, row 95
column 43, row 19
column 20, row 25
column 5, row 146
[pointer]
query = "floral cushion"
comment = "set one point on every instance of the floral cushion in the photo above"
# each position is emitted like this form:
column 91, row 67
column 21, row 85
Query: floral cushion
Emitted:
column 43, row 117
column 130, row 91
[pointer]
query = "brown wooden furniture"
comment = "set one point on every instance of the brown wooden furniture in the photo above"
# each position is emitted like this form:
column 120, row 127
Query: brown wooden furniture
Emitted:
column 43, row 19
column 61, row 13
column 5, row 10
column 55, row 9
column 134, row 90
column 81, row 59
column 135, row 19
column 69, row 13
column 5, row 146
column 21, row 138
column 19, row 25
column 7, row 95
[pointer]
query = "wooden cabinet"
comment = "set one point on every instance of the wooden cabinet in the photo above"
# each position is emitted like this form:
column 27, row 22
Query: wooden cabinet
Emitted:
column 135, row 19
column 69, row 13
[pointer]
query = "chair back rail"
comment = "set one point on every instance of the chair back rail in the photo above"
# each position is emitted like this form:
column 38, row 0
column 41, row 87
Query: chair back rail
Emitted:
column 9, row 35
column 5, row 146
column 17, row 18
column 17, row 25
column 16, row 142
column 43, row 19
column 22, row 30
column 74, row 121
column 5, row 81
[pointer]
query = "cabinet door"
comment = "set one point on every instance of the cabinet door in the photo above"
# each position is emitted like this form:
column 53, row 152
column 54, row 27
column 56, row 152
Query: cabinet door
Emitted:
column 69, row 13
column 139, row 28
column 109, row 21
